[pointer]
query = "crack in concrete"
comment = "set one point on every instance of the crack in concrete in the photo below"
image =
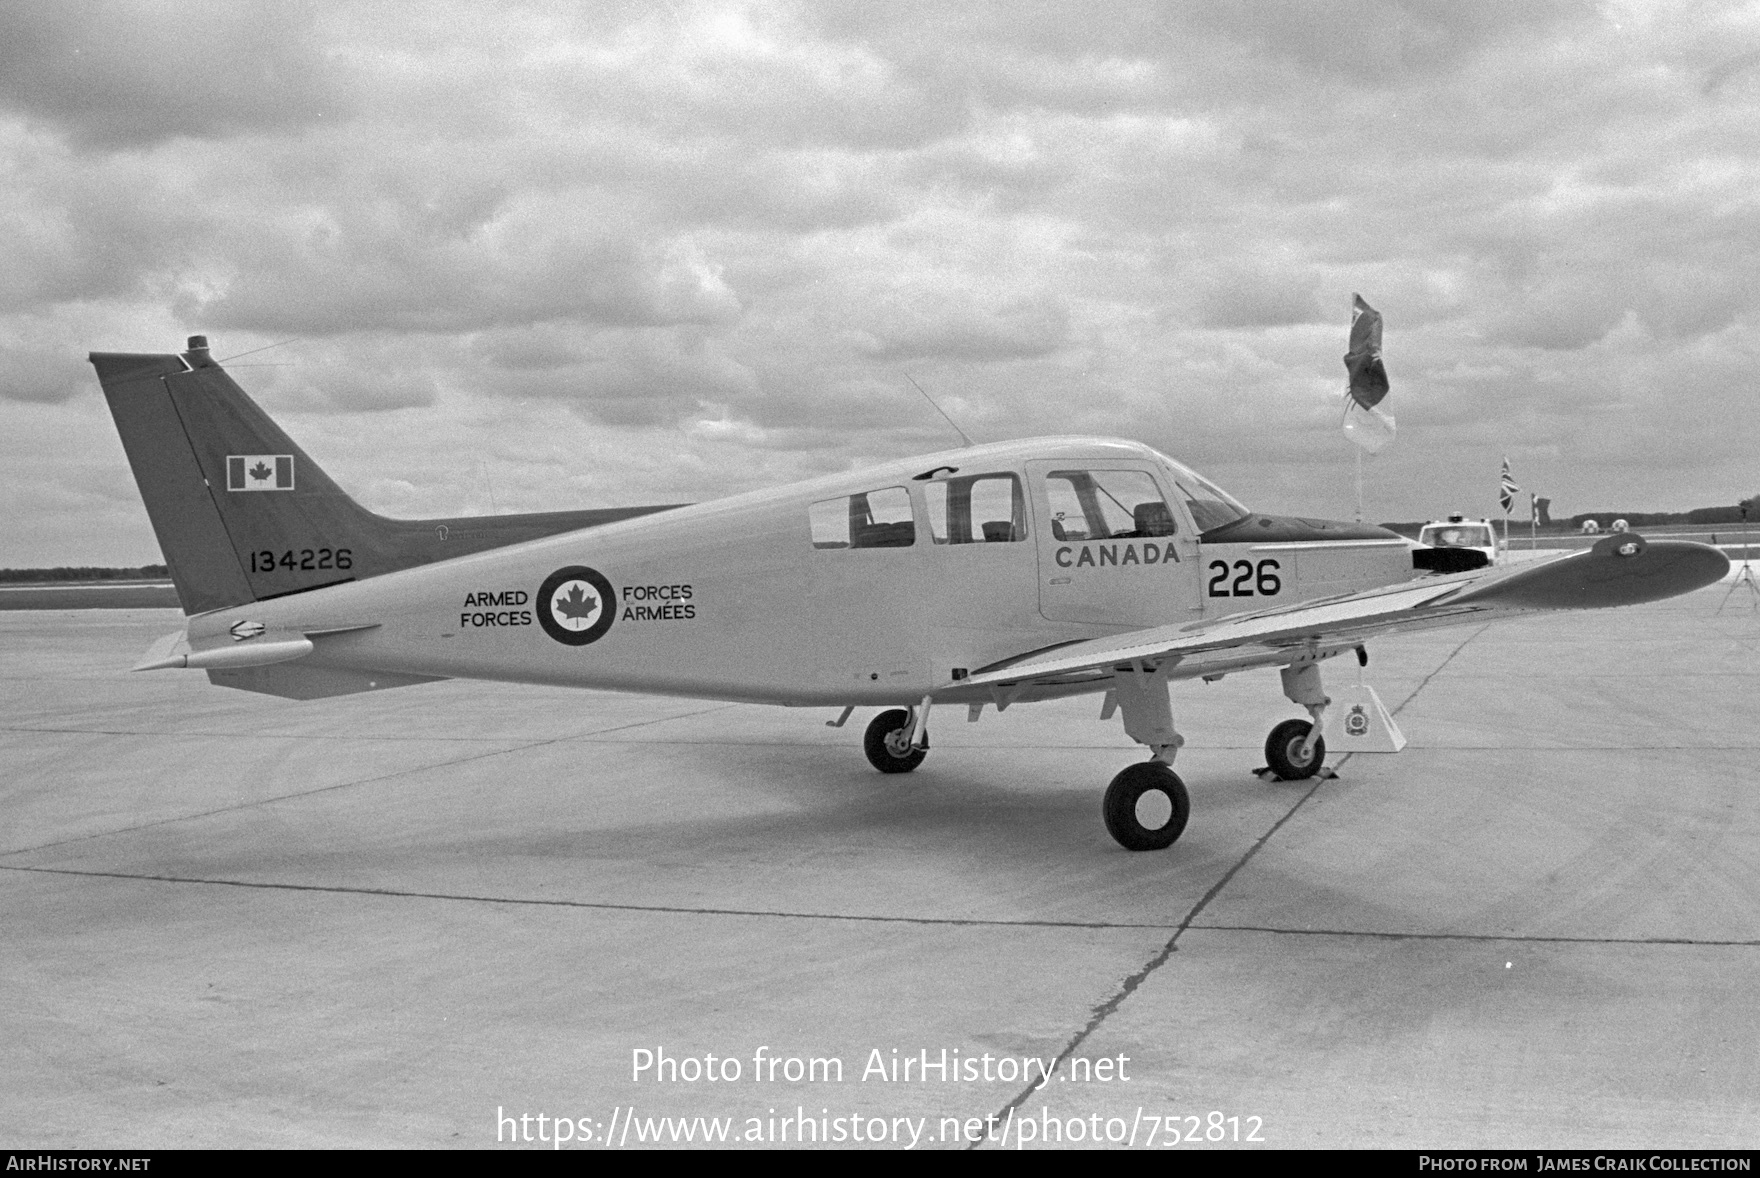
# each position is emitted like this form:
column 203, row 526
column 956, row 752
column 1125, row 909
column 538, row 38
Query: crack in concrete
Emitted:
column 1183, row 926
column 1099, row 1014
column 536, row 744
column 1519, row 938
column 601, row 905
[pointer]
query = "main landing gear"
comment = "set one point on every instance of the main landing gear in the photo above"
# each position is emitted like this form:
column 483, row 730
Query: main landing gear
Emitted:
column 1146, row 806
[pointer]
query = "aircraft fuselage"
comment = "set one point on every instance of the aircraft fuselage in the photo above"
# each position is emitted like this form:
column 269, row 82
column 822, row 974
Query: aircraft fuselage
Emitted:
column 878, row 586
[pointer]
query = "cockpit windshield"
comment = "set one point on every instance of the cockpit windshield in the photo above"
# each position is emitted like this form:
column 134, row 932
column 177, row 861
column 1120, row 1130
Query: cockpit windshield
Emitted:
column 1210, row 505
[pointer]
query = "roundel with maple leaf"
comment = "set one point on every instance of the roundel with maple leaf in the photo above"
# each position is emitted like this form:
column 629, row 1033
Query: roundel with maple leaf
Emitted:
column 576, row 605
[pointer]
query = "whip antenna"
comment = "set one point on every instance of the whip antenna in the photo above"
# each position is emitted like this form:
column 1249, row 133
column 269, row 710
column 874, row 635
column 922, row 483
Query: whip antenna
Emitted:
column 938, row 409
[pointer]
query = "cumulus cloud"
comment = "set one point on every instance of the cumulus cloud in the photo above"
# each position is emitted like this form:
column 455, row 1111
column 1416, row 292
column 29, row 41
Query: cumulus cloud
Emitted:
column 130, row 73
column 610, row 253
column 965, row 325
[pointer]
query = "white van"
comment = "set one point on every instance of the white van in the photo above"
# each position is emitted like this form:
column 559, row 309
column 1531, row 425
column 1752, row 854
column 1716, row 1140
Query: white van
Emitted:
column 1457, row 531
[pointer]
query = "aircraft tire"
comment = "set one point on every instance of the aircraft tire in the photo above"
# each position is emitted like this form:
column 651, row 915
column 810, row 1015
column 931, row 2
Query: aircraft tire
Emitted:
column 875, row 744
column 1124, row 809
column 1283, row 750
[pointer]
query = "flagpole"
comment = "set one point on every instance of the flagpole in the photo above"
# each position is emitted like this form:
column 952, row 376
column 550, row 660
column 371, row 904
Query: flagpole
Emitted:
column 1359, row 451
column 1506, row 497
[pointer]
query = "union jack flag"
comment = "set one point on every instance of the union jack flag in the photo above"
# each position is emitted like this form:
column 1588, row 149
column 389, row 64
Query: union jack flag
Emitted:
column 1506, row 490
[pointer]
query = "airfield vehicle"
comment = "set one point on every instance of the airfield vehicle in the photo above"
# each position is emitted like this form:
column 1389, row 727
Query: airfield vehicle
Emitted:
column 1459, row 532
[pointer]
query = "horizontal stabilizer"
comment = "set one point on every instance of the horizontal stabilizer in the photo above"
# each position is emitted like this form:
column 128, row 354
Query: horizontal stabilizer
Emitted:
column 165, row 653
column 259, row 652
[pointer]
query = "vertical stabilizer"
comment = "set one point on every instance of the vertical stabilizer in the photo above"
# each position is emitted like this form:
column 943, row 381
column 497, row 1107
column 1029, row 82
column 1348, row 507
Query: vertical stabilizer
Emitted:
column 242, row 513
column 180, row 501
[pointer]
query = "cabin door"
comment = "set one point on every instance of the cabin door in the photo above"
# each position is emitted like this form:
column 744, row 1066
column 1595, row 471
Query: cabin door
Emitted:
column 1114, row 544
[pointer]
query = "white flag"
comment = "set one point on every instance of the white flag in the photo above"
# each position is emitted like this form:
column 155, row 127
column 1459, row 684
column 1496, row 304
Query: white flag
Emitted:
column 1369, row 428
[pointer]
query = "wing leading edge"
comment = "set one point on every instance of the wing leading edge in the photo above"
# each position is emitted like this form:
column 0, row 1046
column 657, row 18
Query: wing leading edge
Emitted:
column 1623, row 569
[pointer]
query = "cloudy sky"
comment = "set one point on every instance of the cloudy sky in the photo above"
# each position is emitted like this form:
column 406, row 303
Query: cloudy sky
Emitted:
column 540, row 256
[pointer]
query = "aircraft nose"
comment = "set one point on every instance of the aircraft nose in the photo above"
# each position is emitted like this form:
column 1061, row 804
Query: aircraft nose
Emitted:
column 1287, row 529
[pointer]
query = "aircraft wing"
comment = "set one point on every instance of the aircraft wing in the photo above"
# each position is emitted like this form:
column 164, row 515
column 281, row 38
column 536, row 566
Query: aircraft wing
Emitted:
column 1622, row 569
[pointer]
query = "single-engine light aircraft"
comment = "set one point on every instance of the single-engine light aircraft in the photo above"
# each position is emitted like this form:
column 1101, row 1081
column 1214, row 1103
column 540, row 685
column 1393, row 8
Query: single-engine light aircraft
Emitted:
column 994, row 575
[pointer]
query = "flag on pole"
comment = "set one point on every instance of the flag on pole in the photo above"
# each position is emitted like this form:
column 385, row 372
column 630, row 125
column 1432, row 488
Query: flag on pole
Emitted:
column 1368, row 375
column 1506, row 489
column 1364, row 424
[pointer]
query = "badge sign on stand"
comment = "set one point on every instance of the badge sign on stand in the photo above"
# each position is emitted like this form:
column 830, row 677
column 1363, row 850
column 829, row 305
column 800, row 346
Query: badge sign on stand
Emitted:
column 1357, row 722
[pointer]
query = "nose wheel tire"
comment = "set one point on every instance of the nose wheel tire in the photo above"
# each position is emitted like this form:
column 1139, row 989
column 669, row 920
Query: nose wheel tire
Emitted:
column 1283, row 751
column 885, row 744
column 1146, row 807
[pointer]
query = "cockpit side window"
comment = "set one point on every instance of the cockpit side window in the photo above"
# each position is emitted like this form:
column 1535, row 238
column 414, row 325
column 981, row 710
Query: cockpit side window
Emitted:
column 872, row 519
column 1106, row 505
column 976, row 509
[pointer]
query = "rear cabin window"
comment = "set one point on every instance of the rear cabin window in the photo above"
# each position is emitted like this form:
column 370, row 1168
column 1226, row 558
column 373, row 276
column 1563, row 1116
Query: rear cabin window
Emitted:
column 872, row 519
column 976, row 509
column 1106, row 505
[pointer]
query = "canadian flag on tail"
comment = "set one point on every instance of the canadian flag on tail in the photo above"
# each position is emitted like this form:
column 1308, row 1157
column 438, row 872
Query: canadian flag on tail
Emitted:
column 1364, row 424
column 259, row 472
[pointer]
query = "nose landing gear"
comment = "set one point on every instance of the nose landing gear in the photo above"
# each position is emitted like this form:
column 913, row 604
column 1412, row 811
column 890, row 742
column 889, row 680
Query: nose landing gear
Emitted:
column 1295, row 750
column 1289, row 753
column 891, row 744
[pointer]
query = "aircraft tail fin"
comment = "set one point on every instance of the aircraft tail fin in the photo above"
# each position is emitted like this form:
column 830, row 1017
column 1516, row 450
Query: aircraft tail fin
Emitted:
column 242, row 513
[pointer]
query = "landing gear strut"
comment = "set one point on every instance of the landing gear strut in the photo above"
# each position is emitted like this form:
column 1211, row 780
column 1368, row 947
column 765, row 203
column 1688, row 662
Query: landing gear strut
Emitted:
column 1295, row 750
column 1146, row 806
